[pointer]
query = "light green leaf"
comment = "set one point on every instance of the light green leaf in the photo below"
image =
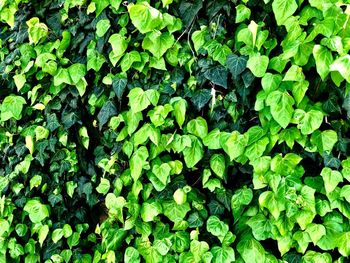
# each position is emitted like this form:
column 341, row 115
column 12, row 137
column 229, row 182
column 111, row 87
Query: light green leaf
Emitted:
column 137, row 162
column 194, row 153
column 174, row 211
column 342, row 65
column 283, row 9
column 131, row 255
column 345, row 192
column 242, row 13
column 144, row 17
column 57, row 234
column 198, row 127
column 160, row 176
column 217, row 164
column 42, row 234
column 102, row 27
column 212, row 140
column 216, row 227
column 198, row 249
column 281, row 107
column 223, row 254
column 36, row 30
column 37, row 211
column 316, row 232
column 11, row 107
column 251, row 251
column 258, row 64
column 140, row 100
column 344, row 244
column 268, row 200
column 323, row 58
column 331, row 179
column 35, row 181
column 310, row 122
column 158, row 43
column 128, row 60
column 119, row 44
column 179, row 105
column 234, row 144
column 20, row 80
column 104, row 186
column 294, row 73
column 149, row 210
column 199, row 38
column 324, row 140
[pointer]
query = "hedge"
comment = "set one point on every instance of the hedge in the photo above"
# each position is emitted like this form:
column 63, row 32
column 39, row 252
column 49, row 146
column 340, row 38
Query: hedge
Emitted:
column 174, row 131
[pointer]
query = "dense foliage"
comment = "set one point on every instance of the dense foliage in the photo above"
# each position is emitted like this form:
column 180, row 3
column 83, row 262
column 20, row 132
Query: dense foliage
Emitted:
column 174, row 131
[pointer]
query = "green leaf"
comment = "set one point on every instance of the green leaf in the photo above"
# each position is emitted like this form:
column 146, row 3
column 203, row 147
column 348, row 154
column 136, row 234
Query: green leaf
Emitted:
column 179, row 105
column 344, row 244
column 137, row 162
column 310, row 122
column 107, row 111
column 119, row 44
column 294, row 73
column 342, row 65
column 323, row 58
column 174, row 211
column 331, row 179
column 102, row 27
column 150, row 210
column 261, row 226
column 36, row 30
column 77, row 72
column 42, row 234
column 20, row 80
column 131, row 255
column 161, row 176
column 11, row 107
column 216, row 227
column 57, row 234
column 242, row 13
column 217, row 164
column 158, row 43
column 324, row 140
column 283, row 9
column 281, row 107
column 95, row 60
column 37, row 211
column 198, row 249
column 268, row 199
column 345, row 193
column 251, row 251
column 258, row 64
column 217, row 75
column 234, row 144
column 236, row 64
column 104, row 186
column 144, row 17
column 257, row 149
column 198, row 127
column 199, row 38
column 316, row 232
column 140, row 99
column 271, row 82
column 194, row 153
column 128, row 60
column 212, row 140
column 100, row 6
column 223, row 254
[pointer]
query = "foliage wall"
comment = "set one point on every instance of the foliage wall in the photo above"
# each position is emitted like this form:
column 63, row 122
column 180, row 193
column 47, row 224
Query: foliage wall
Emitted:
column 174, row 131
